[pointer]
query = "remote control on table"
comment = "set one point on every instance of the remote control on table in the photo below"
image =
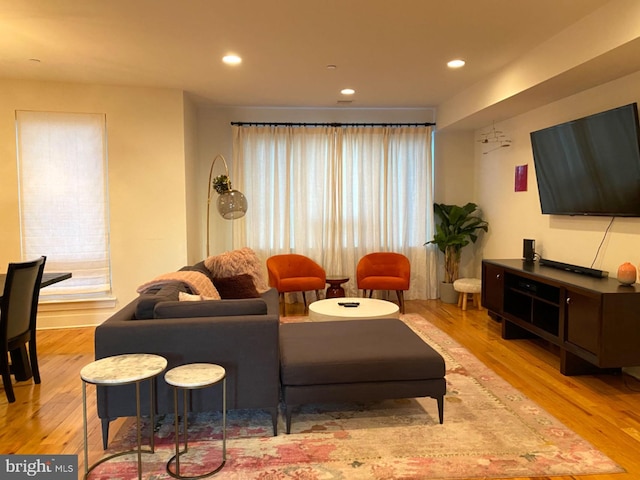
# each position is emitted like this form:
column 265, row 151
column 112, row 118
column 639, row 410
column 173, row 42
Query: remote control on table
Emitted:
column 348, row 304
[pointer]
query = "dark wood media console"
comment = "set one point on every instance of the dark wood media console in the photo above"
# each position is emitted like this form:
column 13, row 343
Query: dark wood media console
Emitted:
column 594, row 321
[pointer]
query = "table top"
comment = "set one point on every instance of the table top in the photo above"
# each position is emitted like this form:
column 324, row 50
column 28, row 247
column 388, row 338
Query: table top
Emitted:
column 330, row 309
column 337, row 278
column 48, row 278
column 123, row 369
column 606, row 285
column 195, row 375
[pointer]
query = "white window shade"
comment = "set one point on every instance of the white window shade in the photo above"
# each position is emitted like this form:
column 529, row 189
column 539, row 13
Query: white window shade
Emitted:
column 63, row 198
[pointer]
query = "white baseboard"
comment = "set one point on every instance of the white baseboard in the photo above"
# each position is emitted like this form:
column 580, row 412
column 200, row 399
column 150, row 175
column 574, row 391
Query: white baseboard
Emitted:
column 71, row 319
column 633, row 371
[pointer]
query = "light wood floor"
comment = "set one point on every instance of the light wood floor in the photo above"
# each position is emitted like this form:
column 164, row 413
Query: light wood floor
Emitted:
column 604, row 409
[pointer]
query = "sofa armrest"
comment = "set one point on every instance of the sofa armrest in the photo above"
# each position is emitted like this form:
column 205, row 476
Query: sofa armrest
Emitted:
column 195, row 336
column 272, row 300
column 246, row 346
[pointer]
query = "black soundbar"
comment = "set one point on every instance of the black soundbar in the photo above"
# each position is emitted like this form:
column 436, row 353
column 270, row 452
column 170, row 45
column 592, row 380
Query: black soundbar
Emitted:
column 592, row 272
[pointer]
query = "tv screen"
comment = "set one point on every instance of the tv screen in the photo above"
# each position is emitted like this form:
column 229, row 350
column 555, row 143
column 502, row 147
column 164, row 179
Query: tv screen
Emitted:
column 590, row 166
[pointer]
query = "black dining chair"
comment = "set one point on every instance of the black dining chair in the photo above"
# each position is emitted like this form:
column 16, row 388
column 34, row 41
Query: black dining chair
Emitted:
column 18, row 311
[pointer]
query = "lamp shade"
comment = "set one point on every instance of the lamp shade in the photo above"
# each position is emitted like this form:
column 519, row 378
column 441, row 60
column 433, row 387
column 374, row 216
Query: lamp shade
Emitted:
column 232, row 204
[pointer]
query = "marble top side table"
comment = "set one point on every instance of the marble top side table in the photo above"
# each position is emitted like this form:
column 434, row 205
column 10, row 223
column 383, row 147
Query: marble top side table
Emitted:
column 122, row 370
column 190, row 377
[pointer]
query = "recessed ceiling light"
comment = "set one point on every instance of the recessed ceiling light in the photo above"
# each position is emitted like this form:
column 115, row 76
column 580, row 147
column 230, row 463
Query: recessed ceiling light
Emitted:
column 331, row 66
column 231, row 59
column 456, row 63
column 347, row 91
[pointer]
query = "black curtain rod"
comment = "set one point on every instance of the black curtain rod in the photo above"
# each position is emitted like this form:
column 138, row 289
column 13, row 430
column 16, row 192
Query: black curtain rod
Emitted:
column 285, row 124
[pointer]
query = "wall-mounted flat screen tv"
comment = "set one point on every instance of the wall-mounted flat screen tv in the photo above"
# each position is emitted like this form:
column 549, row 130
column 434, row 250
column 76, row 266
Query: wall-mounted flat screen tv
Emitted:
column 590, row 166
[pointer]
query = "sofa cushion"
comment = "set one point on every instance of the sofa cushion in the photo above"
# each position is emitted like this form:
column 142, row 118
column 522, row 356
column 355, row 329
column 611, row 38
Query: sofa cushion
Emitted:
column 210, row 308
column 351, row 351
column 237, row 286
column 161, row 293
column 238, row 262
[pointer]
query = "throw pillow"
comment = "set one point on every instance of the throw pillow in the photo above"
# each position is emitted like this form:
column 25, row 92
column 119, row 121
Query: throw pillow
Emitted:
column 238, row 286
column 238, row 262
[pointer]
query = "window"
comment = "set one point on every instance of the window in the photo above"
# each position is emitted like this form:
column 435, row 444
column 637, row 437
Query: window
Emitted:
column 63, row 199
column 338, row 193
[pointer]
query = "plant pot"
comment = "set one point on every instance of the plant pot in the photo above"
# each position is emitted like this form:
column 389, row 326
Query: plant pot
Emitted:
column 447, row 293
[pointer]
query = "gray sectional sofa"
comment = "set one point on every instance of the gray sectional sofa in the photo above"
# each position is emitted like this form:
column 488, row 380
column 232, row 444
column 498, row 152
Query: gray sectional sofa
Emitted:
column 240, row 334
column 340, row 361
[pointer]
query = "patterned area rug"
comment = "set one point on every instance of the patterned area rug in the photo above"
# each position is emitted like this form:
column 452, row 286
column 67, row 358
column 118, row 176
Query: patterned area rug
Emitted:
column 490, row 430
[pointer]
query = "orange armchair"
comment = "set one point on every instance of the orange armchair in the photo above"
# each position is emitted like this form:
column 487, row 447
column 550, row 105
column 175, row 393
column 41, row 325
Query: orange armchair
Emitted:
column 295, row 273
column 384, row 271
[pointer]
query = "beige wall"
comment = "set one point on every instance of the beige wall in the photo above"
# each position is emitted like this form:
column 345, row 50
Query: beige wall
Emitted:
column 454, row 169
column 147, row 187
column 195, row 229
column 455, row 174
column 516, row 215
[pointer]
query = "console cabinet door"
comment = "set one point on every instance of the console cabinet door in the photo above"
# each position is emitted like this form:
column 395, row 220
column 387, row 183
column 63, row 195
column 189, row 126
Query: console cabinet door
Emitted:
column 582, row 320
column 493, row 288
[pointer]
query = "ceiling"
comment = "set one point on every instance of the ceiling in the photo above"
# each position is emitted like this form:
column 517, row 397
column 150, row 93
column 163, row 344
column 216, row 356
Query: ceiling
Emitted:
column 393, row 53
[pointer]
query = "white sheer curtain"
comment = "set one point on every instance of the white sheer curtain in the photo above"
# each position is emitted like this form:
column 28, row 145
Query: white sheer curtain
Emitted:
column 335, row 194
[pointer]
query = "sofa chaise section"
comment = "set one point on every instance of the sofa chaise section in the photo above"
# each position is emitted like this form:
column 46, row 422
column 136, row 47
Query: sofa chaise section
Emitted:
column 357, row 360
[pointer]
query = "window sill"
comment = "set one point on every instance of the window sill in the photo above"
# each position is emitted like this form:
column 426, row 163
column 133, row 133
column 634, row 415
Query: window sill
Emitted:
column 57, row 305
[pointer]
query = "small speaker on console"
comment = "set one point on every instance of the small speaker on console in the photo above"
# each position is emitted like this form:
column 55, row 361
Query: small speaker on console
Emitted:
column 528, row 249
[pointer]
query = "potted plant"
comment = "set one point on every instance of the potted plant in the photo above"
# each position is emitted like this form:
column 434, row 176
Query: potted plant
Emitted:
column 221, row 184
column 458, row 227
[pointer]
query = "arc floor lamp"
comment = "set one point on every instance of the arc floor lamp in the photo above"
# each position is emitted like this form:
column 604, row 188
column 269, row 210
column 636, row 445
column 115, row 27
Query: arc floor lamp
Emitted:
column 231, row 204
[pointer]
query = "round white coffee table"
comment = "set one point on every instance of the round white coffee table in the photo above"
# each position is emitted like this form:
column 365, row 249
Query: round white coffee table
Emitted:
column 337, row 309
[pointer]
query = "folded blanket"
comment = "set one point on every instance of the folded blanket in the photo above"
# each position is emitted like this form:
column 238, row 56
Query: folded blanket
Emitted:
column 198, row 282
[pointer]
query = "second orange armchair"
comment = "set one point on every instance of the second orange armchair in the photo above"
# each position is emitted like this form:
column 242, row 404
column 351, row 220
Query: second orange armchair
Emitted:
column 384, row 271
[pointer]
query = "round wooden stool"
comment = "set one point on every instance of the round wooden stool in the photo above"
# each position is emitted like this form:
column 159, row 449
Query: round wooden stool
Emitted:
column 466, row 287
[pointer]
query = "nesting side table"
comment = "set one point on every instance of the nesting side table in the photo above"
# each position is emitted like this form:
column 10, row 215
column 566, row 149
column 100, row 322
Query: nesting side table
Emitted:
column 190, row 377
column 122, row 370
